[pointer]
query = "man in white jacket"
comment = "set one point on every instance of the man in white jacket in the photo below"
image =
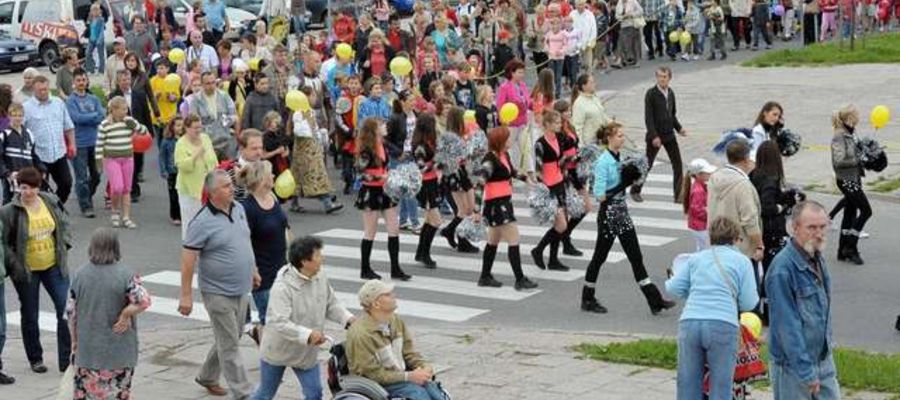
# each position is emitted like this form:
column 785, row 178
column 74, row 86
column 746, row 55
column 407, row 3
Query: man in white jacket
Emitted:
column 300, row 301
column 583, row 20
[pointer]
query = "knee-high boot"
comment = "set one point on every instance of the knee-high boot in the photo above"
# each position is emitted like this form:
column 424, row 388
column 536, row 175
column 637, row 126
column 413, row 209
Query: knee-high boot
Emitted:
column 394, row 253
column 555, row 264
column 366, row 271
column 487, row 263
column 423, row 252
column 537, row 253
column 589, row 302
column 851, row 251
column 654, row 298
column 515, row 261
column 568, row 248
column 449, row 231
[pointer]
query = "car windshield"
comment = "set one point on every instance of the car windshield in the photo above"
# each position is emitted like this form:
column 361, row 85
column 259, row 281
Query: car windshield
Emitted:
column 253, row 6
column 42, row 11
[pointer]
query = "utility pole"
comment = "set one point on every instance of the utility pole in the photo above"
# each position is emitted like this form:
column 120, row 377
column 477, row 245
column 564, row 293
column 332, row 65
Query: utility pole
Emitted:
column 852, row 24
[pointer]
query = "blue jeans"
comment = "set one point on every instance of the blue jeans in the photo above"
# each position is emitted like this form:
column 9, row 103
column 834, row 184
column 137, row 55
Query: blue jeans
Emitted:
column 411, row 391
column 557, row 67
column 703, row 343
column 57, row 287
column 261, row 300
column 270, row 378
column 787, row 386
column 101, row 57
column 86, row 177
column 409, row 206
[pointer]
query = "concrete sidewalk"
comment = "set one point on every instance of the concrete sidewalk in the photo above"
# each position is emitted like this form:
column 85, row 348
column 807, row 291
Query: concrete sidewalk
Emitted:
column 472, row 363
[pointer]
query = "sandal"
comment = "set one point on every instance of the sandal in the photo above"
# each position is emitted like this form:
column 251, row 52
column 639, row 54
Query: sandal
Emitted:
column 116, row 221
column 127, row 223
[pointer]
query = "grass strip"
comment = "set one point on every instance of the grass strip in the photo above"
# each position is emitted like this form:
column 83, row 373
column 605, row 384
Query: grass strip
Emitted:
column 880, row 48
column 857, row 369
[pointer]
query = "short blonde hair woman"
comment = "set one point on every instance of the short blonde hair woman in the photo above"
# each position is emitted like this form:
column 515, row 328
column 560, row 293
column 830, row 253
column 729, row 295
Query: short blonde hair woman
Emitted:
column 847, row 171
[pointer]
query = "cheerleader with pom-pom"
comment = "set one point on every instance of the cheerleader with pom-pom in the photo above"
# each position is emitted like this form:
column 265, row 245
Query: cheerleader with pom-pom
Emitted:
column 848, row 170
column 371, row 164
column 570, row 152
column 460, row 186
column 497, row 172
column 429, row 196
column 611, row 179
column 548, row 157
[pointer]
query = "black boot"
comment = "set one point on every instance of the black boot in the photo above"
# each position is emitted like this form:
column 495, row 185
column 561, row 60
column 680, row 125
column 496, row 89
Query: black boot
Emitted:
column 852, row 251
column 487, row 263
column 394, row 253
column 555, row 264
column 366, row 271
column 842, row 246
column 568, row 248
column 423, row 252
column 537, row 253
column 589, row 303
column 515, row 261
column 897, row 324
column 449, row 231
column 655, row 300
column 463, row 245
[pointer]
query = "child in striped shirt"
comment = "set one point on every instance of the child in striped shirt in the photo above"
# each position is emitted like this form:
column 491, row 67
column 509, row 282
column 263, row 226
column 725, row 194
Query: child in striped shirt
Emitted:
column 115, row 150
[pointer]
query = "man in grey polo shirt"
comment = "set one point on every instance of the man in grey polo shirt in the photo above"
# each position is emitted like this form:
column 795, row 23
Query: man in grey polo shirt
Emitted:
column 218, row 240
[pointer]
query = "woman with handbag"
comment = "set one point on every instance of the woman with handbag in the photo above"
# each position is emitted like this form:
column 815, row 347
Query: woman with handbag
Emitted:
column 717, row 283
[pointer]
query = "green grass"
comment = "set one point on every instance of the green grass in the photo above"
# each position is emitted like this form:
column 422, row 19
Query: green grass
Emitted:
column 887, row 185
column 857, row 370
column 884, row 48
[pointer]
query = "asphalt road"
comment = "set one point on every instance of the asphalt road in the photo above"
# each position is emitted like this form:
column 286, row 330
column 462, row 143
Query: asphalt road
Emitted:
column 865, row 298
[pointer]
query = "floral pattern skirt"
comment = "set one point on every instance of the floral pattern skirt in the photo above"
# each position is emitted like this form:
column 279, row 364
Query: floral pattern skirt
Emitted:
column 103, row 384
column 308, row 168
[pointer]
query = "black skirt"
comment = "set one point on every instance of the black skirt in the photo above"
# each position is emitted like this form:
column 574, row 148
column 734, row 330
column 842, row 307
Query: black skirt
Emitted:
column 373, row 198
column 573, row 179
column 430, row 195
column 559, row 191
column 498, row 211
column 458, row 182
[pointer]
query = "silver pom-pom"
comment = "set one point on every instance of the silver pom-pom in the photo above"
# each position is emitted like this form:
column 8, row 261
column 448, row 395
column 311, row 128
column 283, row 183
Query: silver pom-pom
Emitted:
column 587, row 156
column 449, row 151
column 636, row 162
column 543, row 204
column 471, row 230
column 403, row 181
column 788, row 142
column 871, row 154
column 476, row 149
column 574, row 204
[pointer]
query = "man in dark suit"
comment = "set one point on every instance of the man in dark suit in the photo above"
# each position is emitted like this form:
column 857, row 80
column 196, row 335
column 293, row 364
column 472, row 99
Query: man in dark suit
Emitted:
column 662, row 124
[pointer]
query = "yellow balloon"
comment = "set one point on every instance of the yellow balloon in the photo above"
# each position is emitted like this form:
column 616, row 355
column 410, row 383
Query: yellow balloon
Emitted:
column 674, row 36
column 285, row 185
column 880, row 116
column 685, row 39
column 253, row 64
column 508, row 113
column 401, row 66
column 296, row 101
column 176, row 56
column 469, row 116
column 344, row 51
column 752, row 322
column 172, row 83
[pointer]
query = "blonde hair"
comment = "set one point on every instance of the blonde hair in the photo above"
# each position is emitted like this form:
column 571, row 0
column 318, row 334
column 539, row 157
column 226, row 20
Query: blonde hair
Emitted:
column 117, row 102
column 482, row 92
column 846, row 116
column 254, row 173
column 271, row 116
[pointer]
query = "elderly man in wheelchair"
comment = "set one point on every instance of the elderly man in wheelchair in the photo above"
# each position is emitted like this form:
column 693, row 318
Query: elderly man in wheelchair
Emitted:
column 378, row 360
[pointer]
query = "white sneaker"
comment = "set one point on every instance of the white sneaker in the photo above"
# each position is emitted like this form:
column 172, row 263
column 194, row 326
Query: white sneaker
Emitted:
column 685, row 57
column 695, row 57
column 864, row 235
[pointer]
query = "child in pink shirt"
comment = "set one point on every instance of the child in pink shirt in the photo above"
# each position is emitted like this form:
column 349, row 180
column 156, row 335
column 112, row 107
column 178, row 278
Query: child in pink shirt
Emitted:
column 694, row 200
column 555, row 41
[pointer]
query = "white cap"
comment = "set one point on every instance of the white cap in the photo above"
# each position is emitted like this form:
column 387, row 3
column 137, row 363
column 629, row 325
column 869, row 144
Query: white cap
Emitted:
column 699, row 165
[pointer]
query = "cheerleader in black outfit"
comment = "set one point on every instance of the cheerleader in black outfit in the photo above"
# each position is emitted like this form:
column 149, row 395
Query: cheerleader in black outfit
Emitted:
column 460, row 187
column 849, row 173
column 570, row 152
column 371, row 164
column 497, row 173
column 610, row 182
column 429, row 195
column 548, row 159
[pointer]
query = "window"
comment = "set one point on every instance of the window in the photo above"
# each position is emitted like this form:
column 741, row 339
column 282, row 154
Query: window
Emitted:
column 6, row 12
column 22, row 6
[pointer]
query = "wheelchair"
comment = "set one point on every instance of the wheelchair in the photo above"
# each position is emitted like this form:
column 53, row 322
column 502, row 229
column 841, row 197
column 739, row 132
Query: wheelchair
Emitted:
column 351, row 387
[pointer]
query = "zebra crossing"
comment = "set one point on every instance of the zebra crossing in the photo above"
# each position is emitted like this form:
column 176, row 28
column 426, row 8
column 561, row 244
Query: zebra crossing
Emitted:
column 449, row 293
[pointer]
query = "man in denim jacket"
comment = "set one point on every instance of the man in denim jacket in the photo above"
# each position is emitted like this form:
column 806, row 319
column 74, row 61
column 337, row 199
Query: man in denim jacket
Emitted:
column 799, row 290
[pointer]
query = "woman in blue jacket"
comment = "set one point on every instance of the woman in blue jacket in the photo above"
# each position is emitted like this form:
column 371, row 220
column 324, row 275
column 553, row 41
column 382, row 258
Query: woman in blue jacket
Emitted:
column 613, row 221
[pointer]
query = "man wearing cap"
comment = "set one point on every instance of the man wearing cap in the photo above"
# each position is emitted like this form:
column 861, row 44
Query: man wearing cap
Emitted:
column 380, row 348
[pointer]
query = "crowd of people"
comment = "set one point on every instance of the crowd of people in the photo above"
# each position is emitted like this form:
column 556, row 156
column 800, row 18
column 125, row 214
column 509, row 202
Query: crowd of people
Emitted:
column 224, row 128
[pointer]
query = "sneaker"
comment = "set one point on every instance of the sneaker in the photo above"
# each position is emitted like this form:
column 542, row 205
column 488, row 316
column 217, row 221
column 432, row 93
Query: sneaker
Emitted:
column 38, row 367
column 685, row 57
column 6, row 379
column 695, row 57
column 335, row 207
column 724, row 56
column 405, row 226
column 115, row 220
column 864, row 235
column 129, row 224
column 88, row 213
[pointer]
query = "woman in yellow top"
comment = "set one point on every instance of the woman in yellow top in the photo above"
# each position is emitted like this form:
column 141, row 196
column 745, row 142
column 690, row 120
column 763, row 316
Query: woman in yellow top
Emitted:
column 36, row 240
column 166, row 98
column 194, row 158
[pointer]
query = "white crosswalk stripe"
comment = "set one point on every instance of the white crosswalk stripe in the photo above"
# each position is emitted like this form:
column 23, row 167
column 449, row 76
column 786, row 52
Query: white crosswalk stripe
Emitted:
column 46, row 320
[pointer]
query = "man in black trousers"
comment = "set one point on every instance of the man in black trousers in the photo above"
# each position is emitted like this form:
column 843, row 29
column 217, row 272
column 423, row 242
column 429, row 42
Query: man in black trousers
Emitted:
column 662, row 124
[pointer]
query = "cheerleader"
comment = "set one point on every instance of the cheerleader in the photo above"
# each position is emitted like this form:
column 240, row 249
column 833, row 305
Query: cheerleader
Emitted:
column 848, row 171
column 429, row 196
column 497, row 173
column 610, row 182
column 548, row 159
column 371, row 164
column 570, row 152
column 460, row 187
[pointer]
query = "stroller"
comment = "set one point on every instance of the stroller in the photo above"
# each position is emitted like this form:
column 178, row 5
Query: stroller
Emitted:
column 351, row 387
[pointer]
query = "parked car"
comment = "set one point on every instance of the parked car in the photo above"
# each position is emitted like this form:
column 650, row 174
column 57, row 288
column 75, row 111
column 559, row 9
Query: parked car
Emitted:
column 16, row 54
column 239, row 18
